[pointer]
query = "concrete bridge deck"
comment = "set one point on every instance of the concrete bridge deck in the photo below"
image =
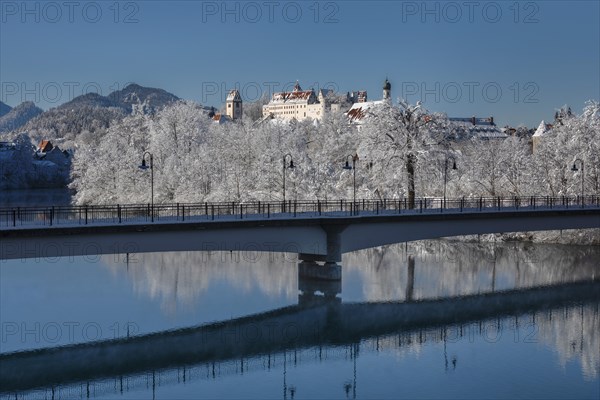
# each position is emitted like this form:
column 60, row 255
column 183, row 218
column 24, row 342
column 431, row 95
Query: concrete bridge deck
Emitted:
column 316, row 238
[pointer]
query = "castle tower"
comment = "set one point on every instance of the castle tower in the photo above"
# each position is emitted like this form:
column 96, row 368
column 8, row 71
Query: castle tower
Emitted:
column 387, row 89
column 233, row 105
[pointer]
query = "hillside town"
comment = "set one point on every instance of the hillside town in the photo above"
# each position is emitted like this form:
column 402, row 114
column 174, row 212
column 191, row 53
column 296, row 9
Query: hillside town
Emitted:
column 84, row 121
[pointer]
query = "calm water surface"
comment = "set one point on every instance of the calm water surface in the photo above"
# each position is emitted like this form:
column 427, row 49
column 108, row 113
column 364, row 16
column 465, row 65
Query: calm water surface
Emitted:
column 434, row 319
column 35, row 197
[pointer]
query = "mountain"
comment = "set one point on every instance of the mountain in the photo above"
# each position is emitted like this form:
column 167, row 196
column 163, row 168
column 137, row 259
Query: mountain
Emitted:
column 66, row 123
column 136, row 94
column 88, row 100
column 90, row 114
column 132, row 94
column 19, row 116
column 4, row 109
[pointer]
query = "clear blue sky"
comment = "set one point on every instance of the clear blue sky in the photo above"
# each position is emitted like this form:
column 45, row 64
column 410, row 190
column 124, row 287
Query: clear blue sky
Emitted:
column 517, row 61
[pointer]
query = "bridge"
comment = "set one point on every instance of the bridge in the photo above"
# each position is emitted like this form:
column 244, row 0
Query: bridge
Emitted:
column 318, row 231
column 325, row 323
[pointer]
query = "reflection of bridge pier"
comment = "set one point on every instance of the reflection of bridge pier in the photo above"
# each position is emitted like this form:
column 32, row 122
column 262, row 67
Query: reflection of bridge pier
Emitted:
column 317, row 291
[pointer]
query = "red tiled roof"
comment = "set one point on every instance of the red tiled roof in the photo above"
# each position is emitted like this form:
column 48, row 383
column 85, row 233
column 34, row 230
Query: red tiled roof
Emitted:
column 295, row 95
column 356, row 114
column 45, row 145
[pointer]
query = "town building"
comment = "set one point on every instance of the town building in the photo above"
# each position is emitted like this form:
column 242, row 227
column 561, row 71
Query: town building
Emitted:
column 296, row 105
column 233, row 109
column 233, row 105
column 540, row 132
column 357, row 114
column 473, row 127
column 44, row 146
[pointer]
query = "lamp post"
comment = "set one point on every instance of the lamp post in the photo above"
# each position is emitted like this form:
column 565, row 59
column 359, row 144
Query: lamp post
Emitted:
column 575, row 169
column 446, row 173
column 145, row 166
column 285, row 166
column 353, row 167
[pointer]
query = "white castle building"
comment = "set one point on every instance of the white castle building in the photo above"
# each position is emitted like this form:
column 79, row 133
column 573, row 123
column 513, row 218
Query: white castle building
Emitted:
column 302, row 104
column 298, row 104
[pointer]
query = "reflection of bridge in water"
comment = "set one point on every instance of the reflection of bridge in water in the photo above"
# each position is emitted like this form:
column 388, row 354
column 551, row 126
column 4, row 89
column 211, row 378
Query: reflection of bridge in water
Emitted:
column 318, row 328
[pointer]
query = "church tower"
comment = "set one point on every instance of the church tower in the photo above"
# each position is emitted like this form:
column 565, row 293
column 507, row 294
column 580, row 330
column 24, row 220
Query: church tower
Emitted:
column 233, row 105
column 387, row 88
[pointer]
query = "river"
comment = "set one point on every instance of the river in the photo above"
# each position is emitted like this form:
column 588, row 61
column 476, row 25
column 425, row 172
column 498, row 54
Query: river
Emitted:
column 417, row 320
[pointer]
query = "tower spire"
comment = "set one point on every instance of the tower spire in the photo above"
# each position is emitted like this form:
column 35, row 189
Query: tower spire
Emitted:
column 387, row 89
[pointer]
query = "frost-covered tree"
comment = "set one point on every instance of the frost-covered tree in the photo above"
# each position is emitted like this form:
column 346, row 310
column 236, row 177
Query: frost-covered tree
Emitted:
column 496, row 167
column 406, row 134
column 401, row 151
column 16, row 164
column 576, row 137
column 253, row 110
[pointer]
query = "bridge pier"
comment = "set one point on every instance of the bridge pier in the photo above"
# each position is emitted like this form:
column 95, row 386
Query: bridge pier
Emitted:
column 330, row 270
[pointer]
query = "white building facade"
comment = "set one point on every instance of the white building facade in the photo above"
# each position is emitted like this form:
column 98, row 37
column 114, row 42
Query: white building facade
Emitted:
column 296, row 105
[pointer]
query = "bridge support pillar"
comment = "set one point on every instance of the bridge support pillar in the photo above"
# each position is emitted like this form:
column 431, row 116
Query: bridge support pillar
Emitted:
column 330, row 270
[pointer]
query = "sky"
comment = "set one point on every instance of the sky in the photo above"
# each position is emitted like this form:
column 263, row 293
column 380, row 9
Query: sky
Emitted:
column 517, row 61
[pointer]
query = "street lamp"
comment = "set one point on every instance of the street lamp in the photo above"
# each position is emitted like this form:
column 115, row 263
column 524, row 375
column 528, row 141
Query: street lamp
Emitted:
column 446, row 173
column 575, row 169
column 353, row 167
column 144, row 166
column 285, row 166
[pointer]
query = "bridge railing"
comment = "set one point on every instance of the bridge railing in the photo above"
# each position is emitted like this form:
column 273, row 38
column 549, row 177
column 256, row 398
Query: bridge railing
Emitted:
column 16, row 217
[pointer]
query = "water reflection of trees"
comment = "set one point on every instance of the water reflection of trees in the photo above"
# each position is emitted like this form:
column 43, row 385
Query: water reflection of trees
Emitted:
column 572, row 332
column 438, row 268
column 446, row 268
column 575, row 334
column 179, row 279
column 441, row 269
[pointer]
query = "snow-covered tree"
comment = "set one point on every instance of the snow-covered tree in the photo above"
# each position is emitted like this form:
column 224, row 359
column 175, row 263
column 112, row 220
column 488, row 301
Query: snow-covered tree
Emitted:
column 406, row 135
column 577, row 137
